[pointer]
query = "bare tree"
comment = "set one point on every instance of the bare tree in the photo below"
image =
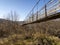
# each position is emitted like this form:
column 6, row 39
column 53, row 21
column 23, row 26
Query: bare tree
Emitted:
column 13, row 17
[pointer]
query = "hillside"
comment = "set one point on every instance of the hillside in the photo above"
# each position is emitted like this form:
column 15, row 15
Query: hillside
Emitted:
column 49, row 27
column 45, row 33
column 9, row 27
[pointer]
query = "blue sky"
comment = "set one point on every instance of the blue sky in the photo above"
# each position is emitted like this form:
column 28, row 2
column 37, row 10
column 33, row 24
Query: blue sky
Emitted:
column 22, row 7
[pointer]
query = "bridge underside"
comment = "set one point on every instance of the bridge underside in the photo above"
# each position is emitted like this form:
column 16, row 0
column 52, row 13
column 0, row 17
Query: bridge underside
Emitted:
column 51, row 17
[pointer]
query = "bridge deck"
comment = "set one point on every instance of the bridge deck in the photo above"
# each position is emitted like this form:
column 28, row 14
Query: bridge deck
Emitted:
column 53, row 16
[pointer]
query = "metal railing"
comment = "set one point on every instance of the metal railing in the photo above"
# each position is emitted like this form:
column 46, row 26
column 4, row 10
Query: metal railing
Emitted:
column 52, row 7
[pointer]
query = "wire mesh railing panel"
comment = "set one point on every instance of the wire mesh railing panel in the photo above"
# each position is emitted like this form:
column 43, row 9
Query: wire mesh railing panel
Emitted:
column 42, row 13
column 53, row 7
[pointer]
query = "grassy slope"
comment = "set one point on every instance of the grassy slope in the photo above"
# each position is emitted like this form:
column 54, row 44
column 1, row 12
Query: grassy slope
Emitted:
column 34, row 34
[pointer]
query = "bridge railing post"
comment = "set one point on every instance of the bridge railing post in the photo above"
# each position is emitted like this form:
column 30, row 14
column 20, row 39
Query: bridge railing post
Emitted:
column 37, row 16
column 32, row 18
column 45, row 10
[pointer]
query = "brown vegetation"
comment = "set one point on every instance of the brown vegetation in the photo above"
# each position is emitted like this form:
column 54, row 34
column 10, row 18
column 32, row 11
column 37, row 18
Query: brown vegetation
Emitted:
column 45, row 33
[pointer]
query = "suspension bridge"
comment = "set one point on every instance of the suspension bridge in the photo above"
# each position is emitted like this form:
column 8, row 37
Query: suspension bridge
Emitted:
column 50, row 10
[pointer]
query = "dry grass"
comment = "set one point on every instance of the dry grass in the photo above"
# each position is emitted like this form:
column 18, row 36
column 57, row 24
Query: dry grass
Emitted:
column 42, row 39
column 45, row 33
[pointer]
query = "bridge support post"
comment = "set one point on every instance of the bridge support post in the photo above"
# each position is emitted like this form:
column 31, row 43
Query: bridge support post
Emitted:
column 32, row 18
column 45, row 11
column 37, row 16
